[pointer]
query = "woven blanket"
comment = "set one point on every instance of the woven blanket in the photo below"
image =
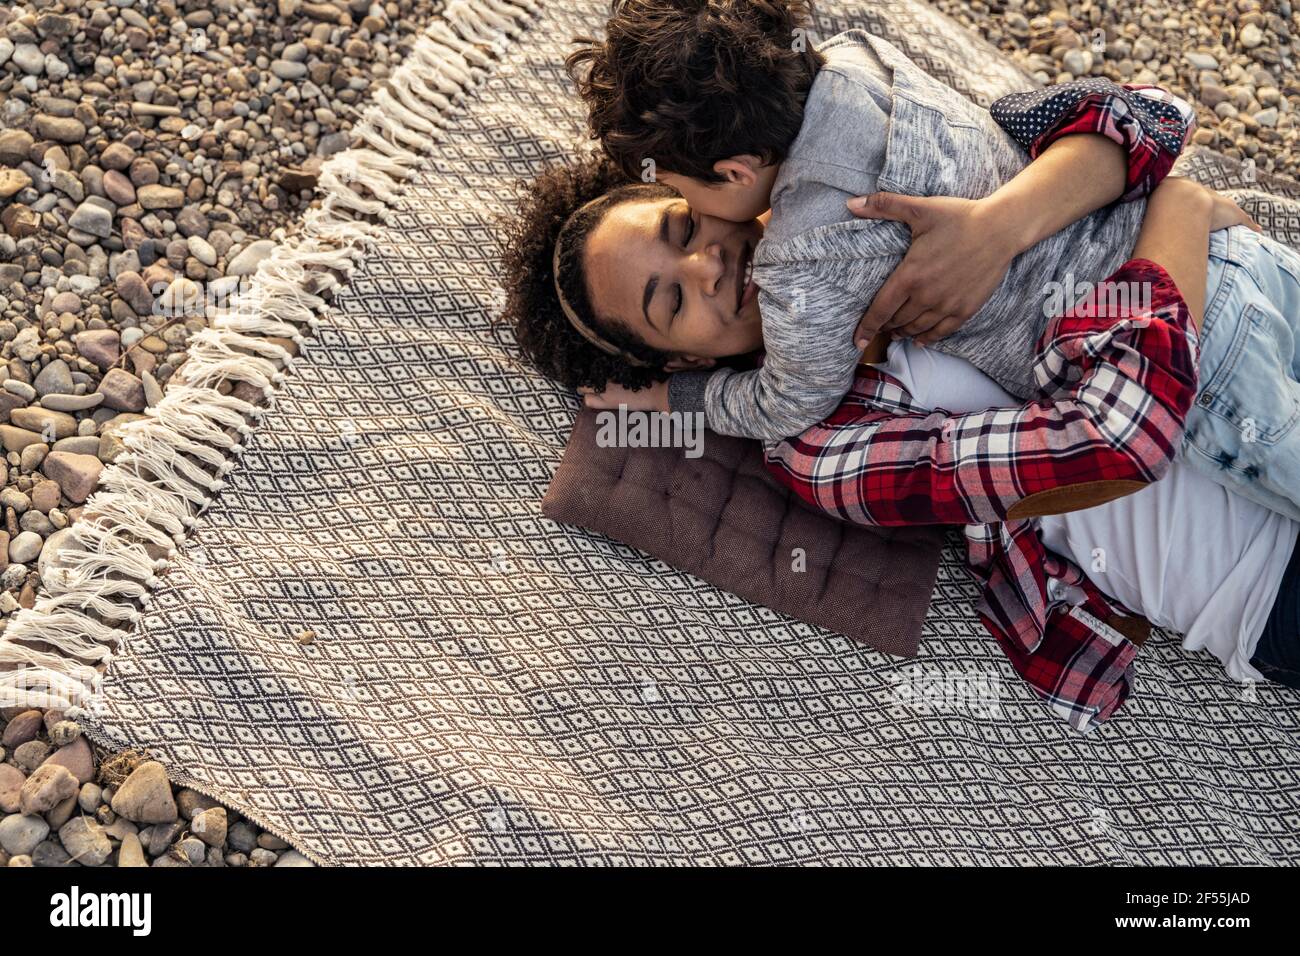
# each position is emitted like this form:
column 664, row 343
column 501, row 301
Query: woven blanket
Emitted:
column 372, row 642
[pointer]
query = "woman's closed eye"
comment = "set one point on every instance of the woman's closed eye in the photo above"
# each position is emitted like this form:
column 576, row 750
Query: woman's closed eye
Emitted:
column 688, row 232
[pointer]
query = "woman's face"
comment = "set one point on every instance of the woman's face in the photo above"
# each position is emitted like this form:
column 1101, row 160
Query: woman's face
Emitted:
column 677, row 279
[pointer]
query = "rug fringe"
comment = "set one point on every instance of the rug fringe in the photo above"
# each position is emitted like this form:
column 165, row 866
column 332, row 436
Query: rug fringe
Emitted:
column 176, row 458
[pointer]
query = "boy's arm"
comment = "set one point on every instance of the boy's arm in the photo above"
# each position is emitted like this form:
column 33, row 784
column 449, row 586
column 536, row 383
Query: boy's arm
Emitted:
column 807, row 369
column 1151, row 124
column 962, row 248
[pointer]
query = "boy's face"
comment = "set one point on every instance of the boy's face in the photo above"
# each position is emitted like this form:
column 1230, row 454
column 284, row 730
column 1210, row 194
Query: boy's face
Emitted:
column 677, row 279
column 745, row 195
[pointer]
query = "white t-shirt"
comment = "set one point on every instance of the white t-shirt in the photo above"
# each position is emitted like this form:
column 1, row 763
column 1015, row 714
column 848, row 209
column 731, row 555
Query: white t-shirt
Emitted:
column 1185, row 552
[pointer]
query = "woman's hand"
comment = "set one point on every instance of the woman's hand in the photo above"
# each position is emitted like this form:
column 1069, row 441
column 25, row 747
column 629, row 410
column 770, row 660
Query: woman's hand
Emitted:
column 1227, row 213
column 961, row 250
column 652, row 398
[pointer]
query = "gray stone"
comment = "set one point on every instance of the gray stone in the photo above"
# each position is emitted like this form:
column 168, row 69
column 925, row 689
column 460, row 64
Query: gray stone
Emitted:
column 288, row 69
column 30, row 59
column 85, row 841
column 54, row 379
column 26, row 547
column 92, row 218
column 247, row 261
column 20, row 833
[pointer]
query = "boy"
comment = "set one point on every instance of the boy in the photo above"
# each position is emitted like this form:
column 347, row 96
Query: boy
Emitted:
column 706, row 93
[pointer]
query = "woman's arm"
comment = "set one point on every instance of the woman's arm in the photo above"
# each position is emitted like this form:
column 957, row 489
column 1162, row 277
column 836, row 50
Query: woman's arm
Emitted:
column 962, row 248
column 1176, row 233
column 1118, row 376
column 1092, row 143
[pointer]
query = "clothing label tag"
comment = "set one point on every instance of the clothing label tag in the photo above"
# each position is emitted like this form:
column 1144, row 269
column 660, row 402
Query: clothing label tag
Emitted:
column 1112, row 636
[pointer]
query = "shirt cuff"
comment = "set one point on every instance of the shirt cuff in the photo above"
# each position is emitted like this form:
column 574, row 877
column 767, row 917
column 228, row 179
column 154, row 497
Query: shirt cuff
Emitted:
column 686, row 391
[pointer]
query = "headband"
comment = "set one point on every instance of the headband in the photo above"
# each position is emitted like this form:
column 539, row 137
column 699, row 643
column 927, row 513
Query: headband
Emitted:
column 582, row 328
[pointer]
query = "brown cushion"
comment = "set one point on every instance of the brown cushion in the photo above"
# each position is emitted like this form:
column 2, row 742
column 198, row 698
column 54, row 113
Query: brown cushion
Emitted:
column 723, row 518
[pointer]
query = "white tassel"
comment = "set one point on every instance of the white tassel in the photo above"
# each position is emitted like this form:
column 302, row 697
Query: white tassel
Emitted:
column 174, row 460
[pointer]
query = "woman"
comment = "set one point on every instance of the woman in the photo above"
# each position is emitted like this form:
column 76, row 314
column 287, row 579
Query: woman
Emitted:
column 1050, row 581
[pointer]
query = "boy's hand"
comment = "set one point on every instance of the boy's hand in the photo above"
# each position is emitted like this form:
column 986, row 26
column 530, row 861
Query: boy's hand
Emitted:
column 960, row 253
column 652, row 398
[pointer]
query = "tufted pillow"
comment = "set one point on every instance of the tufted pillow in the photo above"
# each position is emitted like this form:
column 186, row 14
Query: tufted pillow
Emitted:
column 723, row 518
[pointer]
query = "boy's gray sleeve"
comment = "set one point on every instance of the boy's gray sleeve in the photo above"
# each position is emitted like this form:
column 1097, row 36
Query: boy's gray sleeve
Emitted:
column 686, row 390
column 808, row 324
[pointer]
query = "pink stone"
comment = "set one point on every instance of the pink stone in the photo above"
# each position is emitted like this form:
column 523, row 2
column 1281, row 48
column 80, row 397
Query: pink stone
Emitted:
column 76, row 757
column 101, row 346
column 77, row 475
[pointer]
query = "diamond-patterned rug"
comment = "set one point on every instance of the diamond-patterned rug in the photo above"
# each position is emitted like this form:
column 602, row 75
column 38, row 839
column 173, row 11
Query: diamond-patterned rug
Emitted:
column 485, row 686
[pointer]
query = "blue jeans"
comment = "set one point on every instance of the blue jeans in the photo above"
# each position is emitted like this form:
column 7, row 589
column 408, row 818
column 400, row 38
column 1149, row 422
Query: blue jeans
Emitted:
column 1244, row 430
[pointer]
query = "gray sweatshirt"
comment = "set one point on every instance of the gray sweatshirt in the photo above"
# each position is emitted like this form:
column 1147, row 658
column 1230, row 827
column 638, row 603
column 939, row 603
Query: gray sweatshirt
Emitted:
column 873, row 121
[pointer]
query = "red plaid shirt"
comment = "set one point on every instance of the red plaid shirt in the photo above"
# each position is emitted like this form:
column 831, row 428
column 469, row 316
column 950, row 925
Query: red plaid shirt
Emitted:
column 1116, row 391
column 1150, row 123
column 1116, row 384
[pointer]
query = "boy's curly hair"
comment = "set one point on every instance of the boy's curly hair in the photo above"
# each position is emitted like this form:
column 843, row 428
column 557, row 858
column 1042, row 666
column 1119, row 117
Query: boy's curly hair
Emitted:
column 546, row 339
column 686, row 83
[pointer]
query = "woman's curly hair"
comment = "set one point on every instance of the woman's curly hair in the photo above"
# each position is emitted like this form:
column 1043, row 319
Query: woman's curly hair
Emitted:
column 685, row 83
column 546, row 339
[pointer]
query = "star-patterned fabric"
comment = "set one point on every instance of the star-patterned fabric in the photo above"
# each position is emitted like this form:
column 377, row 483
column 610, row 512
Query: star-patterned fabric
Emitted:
column 488, row 687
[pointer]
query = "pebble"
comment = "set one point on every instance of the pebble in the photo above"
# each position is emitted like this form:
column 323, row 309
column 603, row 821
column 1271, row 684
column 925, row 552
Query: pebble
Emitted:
column 210, row 826
column 49, row 423
column 54, row 379
column 21, row 389
column 20, row 833
column 118, row 188
column 45, row 497
column 11, row 785
column 134, row 291
column 76, row 474
column 76, row 756
column 160, row 197
column 131, row 853
column 288, row 69
column 202, row 250
column 117, row 157
column 90, row 217
column 22, row 728
column 85, row 841
column 25, row 547
column 48, row 786
column 293, row 858
column 61, row 129
column 29, row 58
column 12, row 182
column 72, row 403
column 122, row 391
column 101, row 345
column 250, row 258
column 146, row 796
